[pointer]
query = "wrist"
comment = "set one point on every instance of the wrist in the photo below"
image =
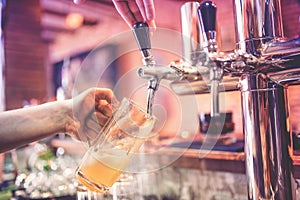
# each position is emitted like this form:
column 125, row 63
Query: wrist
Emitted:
column 70, row 123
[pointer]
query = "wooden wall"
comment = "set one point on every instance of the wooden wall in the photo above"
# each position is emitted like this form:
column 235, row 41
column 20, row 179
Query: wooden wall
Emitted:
column 290, row 15
column 25, row 53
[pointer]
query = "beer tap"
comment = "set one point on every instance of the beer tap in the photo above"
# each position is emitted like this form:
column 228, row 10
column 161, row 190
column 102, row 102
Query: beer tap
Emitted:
column 207, row 18
column 201, row 55
column 141, row 33
column 261, row 67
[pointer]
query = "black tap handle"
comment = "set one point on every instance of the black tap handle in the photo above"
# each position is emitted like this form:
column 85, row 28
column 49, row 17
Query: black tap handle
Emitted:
column 141, row 33
column 207, row 11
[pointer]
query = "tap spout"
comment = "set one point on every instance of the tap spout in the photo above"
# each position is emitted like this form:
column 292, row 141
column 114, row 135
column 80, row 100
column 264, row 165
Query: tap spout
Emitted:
column 155, row 74
column 141, row 33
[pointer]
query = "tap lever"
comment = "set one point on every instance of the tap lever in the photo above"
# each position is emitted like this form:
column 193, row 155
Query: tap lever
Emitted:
column 141, row 33
column 207, row 13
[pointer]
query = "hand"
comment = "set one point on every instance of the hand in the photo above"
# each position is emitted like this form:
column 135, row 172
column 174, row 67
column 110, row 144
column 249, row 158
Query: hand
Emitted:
column 78, row 1
column 91, row 110
column 133, row 11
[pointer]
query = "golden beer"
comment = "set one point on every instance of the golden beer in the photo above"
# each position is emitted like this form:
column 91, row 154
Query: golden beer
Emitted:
column 100, row 174
column 119, row 140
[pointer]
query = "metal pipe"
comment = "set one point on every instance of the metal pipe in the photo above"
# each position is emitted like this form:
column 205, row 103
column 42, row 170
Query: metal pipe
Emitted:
column 192, row 33
column 261, row 62
column 267, row 138
column 257, row 22
column 183, row 87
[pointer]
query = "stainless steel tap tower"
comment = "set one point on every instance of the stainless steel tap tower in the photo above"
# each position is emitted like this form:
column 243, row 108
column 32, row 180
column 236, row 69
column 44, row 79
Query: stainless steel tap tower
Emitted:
column 262, row 67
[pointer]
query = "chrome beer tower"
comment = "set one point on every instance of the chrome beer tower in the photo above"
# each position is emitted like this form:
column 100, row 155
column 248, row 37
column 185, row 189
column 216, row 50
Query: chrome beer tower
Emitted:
column 262, row 67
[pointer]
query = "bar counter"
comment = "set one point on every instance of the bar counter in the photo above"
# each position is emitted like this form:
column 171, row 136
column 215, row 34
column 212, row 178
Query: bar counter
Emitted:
column 222, row 161
column 212, row 160
column 186, row 172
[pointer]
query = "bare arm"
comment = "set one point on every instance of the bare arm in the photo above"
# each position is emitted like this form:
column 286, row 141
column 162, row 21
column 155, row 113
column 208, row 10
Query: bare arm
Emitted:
column 81, row 117
column 22, row 126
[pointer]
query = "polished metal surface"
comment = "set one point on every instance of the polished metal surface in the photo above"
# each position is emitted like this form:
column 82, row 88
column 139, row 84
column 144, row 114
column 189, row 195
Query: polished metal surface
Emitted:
column 183, row 87
column 264, row 102
column 262, row 67
column 267, row 138
column 257, row 22
column 193, row 38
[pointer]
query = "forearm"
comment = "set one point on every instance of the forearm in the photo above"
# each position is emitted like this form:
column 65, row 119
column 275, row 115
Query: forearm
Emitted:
column 22, row 126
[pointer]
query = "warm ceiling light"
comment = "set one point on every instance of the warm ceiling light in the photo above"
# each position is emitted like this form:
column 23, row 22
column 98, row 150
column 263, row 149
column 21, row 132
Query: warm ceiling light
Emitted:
column 74, row 20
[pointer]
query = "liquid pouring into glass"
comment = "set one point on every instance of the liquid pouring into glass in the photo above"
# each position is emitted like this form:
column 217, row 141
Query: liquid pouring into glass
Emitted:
column 141, row 33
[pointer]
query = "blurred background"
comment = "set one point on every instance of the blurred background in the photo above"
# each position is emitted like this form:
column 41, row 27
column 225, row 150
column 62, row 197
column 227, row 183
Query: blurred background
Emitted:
column 45, row 43
column 48, row 46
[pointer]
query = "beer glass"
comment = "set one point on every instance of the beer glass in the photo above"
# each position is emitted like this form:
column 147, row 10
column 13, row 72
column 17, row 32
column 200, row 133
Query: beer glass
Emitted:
column 120, row 138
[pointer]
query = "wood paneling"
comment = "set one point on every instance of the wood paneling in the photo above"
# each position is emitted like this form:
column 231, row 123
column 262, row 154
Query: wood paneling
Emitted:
column 290, row 15
column 25, row 53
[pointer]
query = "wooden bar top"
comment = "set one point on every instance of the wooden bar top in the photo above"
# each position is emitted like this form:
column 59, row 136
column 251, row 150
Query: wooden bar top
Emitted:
column 233, row 162
column 213, row 160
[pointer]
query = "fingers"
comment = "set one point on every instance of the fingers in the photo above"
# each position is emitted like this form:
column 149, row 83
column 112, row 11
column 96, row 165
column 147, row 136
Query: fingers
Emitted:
column 93, row 126
column 133, row 11
column 105, row 101
column 149, row 9
column 129, row 11
column 140, row 4
column 91, row 109
column 150, row 13
column 79, row 1
column 101, row 119
column 104, row 94
column 104, row 108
